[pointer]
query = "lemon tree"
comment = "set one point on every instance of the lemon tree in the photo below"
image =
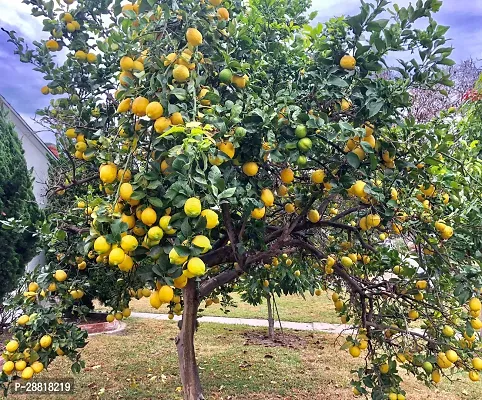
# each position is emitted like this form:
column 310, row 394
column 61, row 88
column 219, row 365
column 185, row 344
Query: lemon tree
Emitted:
column 228, row 133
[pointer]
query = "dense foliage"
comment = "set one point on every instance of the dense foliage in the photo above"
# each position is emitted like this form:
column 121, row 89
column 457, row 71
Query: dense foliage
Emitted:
column 228, row 136
column 17, row 207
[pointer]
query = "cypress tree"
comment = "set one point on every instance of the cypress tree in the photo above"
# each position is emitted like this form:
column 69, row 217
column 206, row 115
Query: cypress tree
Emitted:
column 17, row 246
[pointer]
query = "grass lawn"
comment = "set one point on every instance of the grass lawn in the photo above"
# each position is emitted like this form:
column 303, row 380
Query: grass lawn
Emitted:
column 290, row 308
column 141, row 363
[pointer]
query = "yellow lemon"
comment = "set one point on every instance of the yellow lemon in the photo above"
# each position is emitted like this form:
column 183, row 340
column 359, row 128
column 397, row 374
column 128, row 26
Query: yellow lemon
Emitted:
column 148, row 216
column 250, row 168
column 194, row 37
column 108, row 173
column 154, row 110
column 129, row 243
column 196, row 266
column 180, row 281
column 258, row 213
column 139, row 106
column 45, row 341
column 161, row 124
column 60, row 275
column 180, row 73
column 164, row 224
column 318, row 176
column 126, row 191
column 267, row 197
column 289, row 208
column 101, row 245
column 212, row 218
column 313, row 216
column 202, row 242
column 192, row 207
column 287, row 175
column 348, row 62
column 165, row 294
column 175, row 258
column 126, row 63
column 227, row 148
column 176, row 119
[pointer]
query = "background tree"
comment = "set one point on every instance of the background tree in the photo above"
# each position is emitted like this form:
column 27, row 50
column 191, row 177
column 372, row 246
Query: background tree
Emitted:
column 428, row 103
column 17, row 206
column 192, row 115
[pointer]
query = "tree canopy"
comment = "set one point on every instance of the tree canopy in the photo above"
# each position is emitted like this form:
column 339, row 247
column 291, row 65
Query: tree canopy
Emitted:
column 230, row 135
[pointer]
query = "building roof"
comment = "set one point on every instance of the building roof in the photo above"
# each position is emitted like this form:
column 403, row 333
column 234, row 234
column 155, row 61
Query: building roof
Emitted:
column 32, row 133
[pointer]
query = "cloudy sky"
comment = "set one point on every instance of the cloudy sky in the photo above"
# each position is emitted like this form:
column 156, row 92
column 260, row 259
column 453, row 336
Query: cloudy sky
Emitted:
column 20, row 85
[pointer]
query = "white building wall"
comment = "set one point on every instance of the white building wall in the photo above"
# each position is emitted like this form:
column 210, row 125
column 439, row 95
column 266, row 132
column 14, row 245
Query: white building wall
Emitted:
column 37, row 157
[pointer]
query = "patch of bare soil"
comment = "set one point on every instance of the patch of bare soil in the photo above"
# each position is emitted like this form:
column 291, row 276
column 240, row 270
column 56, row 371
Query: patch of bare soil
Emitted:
column 280, row 340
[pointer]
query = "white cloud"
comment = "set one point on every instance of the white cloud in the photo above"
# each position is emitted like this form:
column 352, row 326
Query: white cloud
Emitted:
column 17, row 15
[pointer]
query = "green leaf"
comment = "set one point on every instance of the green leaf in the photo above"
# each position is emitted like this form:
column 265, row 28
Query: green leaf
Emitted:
column 336, row 81
column 353, row 160
column 156, row 202
column 182, row 250
column 186, row 227
column 227, row 193
column 138, row 195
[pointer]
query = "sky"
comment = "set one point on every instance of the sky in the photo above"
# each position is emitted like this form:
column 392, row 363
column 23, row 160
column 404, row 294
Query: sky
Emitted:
column 20, row 85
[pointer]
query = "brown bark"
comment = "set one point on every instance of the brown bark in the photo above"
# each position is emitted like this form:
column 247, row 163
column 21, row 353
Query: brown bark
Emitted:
column 191, row 384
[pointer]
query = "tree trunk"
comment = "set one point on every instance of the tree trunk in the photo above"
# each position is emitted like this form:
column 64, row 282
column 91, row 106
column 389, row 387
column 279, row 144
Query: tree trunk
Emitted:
column 191, row 384
column 270, row 318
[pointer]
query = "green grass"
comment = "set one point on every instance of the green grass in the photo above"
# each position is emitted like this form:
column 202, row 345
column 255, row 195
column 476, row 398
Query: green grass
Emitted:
column 290, row 308
column 141, row 363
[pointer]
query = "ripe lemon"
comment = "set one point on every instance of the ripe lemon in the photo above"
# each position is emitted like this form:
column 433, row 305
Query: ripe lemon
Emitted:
column 148, row 216
column 212, row 219
column 22, row 320
column 447, row 233
column 45, row 341
column 354, row 351
column 124, row 106
column 175, row 258
column 91, row 58
column 125, row 79
column 194, row 37
column 161, row 124
column 129, row 243
column 192, row 207
column 67, row 17
column 101, row 245
column 165, row 294
column 359, row 189
column 289, row 208
column 139, row 106
column 348, row 62
column 240, row 81
column 108, row 173
column 384, row 368
column 180, row 281
column 345, row 105
column 250, row 168
column 164, row 224
column 202, row 242
column 318, row 176
column 155, row 233
column 370, row 140
column 258, row 213
column 60, row 275
column 116, row 256
column 126, row 63
column 436, row 377
column 27, row 373
column 126, row 191
column 176, row 119
column 227, row 148
column 33, row 287
column 45, row 90
column 154, row 110
column 52, row 45
column 347, row 262
column 8, row 367
column 196, row 266
column 267, row 197
column 451, row 356
column 475, row 304
column 476, row 324
column 448, row 331
column 110, row 318
column 80, row 55
column 82, row 265
column 313, row 216
column 124, row 175
column 127, row 264
column 282, row 190
column 474, row 376
column 180, row 73
column 12, row 346
column 373, row 220
column 287, row 175
column 126, row 312
column 421, row 285
column 215, row 2
column 477, row 363
column 138, row 66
